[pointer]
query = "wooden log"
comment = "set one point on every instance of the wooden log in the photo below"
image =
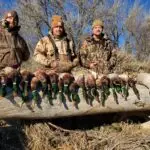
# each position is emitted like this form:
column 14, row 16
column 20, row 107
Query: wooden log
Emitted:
column 9, row 107
column 144, row 79
column 145, row 125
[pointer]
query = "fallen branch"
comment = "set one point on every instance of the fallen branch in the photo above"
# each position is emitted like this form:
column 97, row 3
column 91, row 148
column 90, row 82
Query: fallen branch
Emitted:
column 60, row 128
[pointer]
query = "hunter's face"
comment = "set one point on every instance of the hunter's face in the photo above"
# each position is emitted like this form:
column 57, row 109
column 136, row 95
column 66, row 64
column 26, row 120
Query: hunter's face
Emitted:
column 58, row 31
column 10, row 19
column 97, row 30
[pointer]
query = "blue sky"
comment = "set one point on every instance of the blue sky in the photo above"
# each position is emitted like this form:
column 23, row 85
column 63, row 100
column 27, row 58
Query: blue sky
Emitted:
column 145, row 2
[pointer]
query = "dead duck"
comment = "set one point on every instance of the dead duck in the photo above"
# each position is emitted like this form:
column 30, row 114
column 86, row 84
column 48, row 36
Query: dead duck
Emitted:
column 125, row 85
column 90, row 83
column 92, row 88
column 67, row 80
column 115, row 85
column 43, row 79
column 14, row 78
column 81, row 83
column 25, row 84
column 34, row 86
column 132, row 83
column 73, row 88
column 53, row 78
column 61, row 88
column 3, row 83
column 103, row 84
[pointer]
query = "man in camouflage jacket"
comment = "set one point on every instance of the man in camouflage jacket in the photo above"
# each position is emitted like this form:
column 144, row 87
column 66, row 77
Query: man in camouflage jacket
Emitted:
column 13, row 48
column 56, row 51
column 97, row 52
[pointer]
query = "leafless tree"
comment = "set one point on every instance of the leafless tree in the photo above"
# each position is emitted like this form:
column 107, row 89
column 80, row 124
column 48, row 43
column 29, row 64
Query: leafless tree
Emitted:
column 130, row 24
column 113, row 14
column 138, row 31
column 35, row 16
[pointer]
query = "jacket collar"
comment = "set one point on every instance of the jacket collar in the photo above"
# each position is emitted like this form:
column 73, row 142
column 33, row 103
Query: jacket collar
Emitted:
column 13, row 31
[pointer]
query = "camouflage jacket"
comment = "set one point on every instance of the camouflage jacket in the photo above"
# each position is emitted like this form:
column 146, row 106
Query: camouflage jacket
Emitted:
column 101, row 51
column 45, row 54
column 13, row 48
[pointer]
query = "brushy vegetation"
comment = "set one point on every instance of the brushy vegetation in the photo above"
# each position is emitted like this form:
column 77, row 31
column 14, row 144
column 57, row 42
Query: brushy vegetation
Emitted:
column 129, row 64
column 45, row 136
column 117, row 136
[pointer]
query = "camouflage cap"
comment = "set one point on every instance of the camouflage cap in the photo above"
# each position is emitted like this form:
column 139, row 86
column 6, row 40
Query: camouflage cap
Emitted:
column 56, row 21
column 97, row 22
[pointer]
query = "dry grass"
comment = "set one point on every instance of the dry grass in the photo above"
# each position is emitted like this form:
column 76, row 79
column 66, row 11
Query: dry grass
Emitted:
column 43, row 136
column 128, row 63
column 118, row 136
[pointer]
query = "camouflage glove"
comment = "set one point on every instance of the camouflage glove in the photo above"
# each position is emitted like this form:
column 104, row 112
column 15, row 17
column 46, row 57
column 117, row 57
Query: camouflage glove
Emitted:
column 75, row 62
column 54, row 64
column 60, row 66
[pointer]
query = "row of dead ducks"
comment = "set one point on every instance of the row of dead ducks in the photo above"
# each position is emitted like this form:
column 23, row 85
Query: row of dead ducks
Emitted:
column 52, row 84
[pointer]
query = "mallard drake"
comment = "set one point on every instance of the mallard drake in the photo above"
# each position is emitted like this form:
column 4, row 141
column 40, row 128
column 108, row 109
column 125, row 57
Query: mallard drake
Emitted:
column 43, row 78
column 14, row 78
column 53, row 77
column 61, row 88
column 132, row 83
column 103, row 84
column 25, row 84
column 33, row 85
column 73, row 88
column 91, row 86
column 116, row 87
column 67, row 80
column 81, row 83
column 3, row 83
column 125, row 85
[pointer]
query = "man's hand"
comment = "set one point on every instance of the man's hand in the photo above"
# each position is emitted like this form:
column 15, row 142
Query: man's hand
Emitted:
column 60, row 66
column 93, row 65
column 54, row 64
